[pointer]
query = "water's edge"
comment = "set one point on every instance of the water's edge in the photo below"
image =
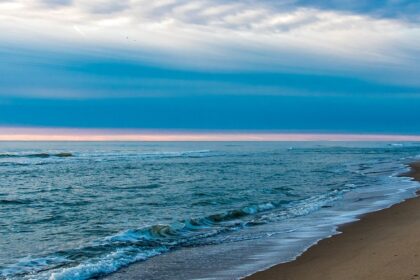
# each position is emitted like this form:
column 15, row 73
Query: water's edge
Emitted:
column 339, row 229
column 334, row 227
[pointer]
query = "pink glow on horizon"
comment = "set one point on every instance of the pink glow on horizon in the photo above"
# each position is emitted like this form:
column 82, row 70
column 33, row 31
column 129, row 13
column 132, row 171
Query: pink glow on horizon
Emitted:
column 60, row 134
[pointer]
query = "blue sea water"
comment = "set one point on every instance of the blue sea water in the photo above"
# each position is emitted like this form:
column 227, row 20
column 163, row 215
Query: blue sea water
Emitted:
column 184, row 210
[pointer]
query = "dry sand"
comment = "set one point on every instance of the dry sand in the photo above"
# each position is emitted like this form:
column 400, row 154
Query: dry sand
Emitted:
column 383, row 245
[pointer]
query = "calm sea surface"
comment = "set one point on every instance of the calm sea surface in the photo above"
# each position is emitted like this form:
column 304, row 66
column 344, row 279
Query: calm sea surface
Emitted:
column 183, row 210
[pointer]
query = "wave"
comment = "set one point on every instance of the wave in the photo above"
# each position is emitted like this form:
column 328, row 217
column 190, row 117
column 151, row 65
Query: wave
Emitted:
column 14, row 201
column 106, row 265
column 146, row 155
column 36, row 155
column 114, row 252
column 111, row 156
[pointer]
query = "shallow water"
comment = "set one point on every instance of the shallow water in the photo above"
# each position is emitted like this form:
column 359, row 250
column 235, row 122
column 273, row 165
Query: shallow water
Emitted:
column 83, row 210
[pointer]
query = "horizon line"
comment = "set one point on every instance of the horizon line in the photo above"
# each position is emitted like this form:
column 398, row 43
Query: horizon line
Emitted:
column 104, row 135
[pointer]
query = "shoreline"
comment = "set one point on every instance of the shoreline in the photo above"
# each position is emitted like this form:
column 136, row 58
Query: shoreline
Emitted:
column 381, row 245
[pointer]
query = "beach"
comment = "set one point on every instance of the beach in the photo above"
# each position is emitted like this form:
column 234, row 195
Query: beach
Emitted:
column 382, row 245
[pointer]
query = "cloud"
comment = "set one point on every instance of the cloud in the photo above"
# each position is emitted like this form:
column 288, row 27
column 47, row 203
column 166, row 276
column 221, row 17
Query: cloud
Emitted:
column 59, row 75
column 56, row 3
column 211, row 64
column 107, row 7
column 407, row 10
column 366, row 40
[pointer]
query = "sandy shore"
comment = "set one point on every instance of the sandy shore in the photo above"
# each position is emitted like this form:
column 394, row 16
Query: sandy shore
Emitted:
column 382, row 245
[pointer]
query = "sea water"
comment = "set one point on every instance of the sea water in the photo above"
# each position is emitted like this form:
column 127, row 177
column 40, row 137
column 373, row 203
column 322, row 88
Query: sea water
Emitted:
column 184, row 210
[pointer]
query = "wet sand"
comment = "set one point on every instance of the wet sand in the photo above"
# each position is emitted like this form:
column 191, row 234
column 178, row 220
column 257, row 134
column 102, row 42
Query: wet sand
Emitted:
column 383, row 245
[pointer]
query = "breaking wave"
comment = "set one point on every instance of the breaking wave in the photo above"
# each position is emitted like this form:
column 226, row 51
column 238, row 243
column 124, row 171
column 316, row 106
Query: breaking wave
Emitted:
column 114, row 252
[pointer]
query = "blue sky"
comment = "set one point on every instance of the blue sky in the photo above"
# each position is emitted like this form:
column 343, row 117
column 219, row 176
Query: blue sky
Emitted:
column 315, row 66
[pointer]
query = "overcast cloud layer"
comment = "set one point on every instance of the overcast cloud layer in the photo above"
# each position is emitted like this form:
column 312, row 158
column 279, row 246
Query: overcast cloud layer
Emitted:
column 246, row 33
column 165, row 49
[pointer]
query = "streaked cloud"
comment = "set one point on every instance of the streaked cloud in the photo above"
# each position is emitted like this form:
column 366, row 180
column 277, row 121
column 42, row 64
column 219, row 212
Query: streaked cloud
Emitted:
column 398, row 9
column 222, row 64
column 76, row 76
column 201, row 34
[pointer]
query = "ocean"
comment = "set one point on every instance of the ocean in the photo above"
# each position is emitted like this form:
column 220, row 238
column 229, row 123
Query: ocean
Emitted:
column 184, row 210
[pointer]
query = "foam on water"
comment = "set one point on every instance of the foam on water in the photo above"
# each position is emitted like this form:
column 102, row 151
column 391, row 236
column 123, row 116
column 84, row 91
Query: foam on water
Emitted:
column 114, row 252
column 213, row 195
column 105, row 265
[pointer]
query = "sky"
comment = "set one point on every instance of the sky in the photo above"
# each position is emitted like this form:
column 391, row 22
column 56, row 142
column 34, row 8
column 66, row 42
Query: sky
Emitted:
column 292, row 66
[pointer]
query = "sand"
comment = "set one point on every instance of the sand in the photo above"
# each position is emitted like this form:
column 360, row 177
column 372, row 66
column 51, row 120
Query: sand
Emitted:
column 382, row 245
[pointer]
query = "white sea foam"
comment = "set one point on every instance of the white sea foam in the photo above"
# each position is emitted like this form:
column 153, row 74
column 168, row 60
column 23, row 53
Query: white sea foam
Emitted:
column 108, row 264
column 288, row 199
